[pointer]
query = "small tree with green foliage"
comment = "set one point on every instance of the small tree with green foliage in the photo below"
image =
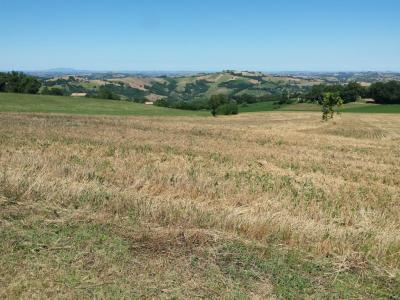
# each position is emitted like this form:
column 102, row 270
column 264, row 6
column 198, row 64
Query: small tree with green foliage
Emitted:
column 329, row 102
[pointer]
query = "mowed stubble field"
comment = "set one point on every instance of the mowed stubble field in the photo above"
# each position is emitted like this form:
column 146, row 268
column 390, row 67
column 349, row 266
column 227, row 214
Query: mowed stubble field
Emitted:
column 264, row 205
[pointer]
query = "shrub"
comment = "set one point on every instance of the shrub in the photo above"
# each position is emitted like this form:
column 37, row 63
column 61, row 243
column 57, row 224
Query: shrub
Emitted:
column 53, row 91
column 230, row 108
column 161, row 102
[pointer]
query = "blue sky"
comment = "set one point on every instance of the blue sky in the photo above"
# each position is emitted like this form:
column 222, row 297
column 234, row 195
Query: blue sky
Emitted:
column 335, row 35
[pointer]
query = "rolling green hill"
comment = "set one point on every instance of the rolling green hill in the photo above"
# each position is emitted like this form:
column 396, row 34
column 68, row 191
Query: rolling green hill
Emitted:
column 57, row 104
column 181, row 88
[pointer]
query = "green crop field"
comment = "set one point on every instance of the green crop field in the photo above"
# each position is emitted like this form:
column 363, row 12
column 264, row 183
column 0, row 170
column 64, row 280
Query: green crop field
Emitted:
column 10, row 102
column 56, row 104
column 349, row 107
column 372, row 108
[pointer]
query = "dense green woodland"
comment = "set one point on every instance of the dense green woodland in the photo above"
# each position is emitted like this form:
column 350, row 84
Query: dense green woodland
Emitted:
column 385, row 93
column 17, row 82
column 381, row 92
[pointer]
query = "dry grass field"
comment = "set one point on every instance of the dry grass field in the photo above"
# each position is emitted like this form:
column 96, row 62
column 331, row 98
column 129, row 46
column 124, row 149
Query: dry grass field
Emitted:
column 265, row 205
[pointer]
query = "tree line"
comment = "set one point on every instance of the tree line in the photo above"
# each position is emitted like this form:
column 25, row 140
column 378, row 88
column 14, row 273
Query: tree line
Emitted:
column 18, row 82
column 218, row 104
column 385, row 93
column 381, row 92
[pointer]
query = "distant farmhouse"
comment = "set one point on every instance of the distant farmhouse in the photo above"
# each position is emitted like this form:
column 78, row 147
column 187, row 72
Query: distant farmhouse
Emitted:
column 78, row 94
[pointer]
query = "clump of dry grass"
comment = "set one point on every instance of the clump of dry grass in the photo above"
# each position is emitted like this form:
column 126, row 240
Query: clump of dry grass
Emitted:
column 166, row 193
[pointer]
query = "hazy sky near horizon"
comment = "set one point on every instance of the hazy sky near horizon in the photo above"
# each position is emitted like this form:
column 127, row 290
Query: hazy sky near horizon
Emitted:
column 314, row 35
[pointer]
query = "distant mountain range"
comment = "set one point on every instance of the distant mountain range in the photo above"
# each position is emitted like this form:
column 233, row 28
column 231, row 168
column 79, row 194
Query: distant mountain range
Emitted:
column 76, row 72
